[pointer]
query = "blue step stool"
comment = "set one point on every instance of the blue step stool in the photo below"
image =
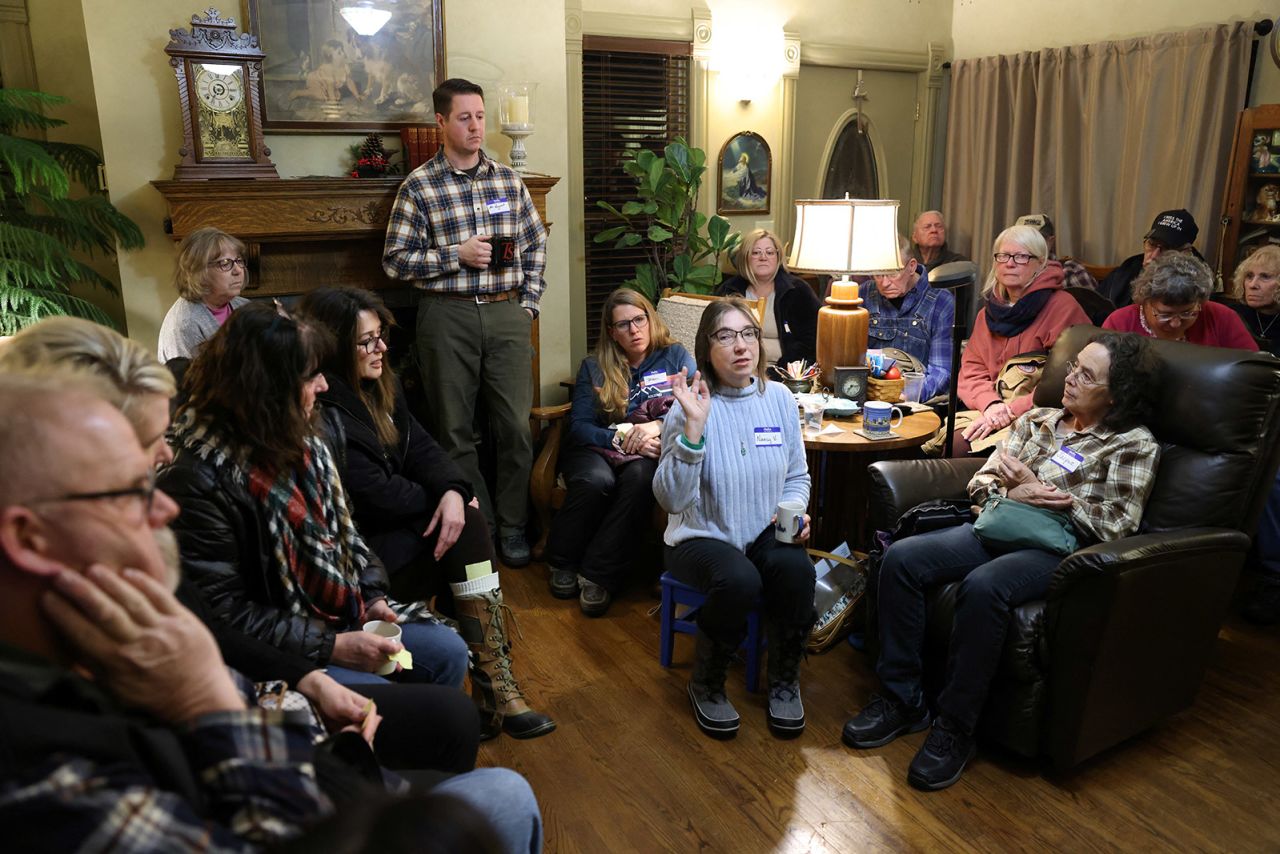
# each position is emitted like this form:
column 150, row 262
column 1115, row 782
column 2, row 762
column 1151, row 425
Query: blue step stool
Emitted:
column 678, row 593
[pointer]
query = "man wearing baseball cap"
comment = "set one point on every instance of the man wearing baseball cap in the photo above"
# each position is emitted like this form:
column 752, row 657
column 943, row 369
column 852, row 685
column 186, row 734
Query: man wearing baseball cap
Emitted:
column 1172, row 231
column 1074, row 275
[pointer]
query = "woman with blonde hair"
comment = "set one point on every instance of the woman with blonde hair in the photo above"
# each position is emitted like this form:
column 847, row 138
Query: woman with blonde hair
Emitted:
column 209, row 276
column 1255, row 286
column 1026, row 309
column 141, row 386
column 614, row 439
column 791, row 313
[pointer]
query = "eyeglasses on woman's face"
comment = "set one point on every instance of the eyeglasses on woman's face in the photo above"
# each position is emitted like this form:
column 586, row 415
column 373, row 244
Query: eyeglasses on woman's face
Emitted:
column 1022, row 259
column 1186, row 316
column 370, row 344
column 725, row 337
column 767, row 251
column 1082, row 375
column 622, row 327
column 226, row 264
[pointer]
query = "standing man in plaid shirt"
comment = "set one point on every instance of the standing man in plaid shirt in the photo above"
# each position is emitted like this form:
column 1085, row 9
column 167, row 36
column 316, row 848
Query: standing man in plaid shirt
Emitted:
column 465, row 231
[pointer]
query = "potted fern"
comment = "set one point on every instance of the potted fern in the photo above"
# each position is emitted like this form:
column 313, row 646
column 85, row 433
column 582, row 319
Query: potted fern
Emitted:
column 42, row 227
column 683, row 244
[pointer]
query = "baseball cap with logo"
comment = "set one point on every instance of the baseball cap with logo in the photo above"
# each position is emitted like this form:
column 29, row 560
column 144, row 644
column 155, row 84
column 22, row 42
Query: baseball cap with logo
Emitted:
column 1037, row 221
column 1174, row 228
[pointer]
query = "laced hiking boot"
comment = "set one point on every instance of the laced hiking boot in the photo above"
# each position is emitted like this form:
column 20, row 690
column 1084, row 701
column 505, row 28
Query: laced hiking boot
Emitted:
column 593, row 599
column 482, row 618
column 1264, row 608
column 786, row 648
column 941, row 759
column 514, row 551
column 881, row 721
column 712, row 710
column 564, row 583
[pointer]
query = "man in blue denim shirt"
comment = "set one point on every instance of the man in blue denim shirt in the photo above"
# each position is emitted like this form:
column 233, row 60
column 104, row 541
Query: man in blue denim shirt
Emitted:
column 908, row 314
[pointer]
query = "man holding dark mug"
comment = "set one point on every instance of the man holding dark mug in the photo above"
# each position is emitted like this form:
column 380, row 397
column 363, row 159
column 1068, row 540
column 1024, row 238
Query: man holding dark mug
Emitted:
column 464, row 229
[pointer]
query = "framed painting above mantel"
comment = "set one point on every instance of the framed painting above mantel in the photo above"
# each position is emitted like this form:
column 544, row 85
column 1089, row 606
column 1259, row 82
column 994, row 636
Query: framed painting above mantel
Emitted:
column 348, row 65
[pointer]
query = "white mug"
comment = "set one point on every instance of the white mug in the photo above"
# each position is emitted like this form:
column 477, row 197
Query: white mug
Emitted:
column 384, row 629
column 790, row 521
column 877, row 417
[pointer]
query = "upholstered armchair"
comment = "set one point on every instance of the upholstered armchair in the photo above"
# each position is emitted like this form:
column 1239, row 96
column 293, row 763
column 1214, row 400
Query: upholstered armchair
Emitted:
column 1128, row 628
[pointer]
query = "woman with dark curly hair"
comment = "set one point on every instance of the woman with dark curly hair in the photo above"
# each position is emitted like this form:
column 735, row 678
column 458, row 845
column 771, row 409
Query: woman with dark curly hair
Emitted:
column 266, row 530
column 1092, row 460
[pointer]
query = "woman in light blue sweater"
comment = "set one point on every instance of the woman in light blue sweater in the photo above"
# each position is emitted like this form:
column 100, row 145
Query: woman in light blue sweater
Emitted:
column 731, row 451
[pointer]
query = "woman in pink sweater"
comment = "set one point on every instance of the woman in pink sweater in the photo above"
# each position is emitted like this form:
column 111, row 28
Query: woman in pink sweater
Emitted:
column 1026, row 310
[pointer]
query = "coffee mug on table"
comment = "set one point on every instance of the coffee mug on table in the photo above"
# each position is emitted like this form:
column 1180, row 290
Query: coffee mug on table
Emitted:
column 790, row 521
column 504, row 251
column 877, row 417
column 384, row 629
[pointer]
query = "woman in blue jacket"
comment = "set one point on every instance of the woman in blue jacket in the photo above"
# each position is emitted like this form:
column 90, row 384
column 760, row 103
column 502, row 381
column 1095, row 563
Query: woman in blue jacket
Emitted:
column 615, row 432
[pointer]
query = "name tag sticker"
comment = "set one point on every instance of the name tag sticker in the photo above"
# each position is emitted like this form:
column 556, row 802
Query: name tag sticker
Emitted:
column 1067, row 459
column 768, row 437
column 655, row 378
column 498, row 206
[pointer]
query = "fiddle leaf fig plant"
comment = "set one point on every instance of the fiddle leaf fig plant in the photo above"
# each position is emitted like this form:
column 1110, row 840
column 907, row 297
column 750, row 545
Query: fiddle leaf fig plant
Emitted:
column 42, row 226
column 684, row 245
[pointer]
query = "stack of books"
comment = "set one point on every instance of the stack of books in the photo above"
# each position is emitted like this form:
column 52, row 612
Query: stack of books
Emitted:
column 421, row 142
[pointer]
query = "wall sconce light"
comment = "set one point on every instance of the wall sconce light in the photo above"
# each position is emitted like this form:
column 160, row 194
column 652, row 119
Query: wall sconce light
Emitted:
column 846, row 237
column 748, row 58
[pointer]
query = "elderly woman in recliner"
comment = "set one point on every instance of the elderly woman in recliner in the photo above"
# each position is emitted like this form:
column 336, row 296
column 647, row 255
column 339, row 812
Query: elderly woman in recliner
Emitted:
column 1091, row 460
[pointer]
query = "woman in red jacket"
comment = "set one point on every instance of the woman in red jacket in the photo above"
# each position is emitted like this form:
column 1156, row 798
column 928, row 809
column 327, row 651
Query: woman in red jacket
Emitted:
column 1026, row 310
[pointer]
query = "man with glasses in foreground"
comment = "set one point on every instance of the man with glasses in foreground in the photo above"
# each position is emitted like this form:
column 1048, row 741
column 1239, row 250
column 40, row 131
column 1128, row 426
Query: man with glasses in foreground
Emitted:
column 1171, row 232
column 1171, row 302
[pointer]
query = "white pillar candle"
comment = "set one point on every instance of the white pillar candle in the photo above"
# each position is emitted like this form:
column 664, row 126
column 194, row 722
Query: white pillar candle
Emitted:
column 517, row 109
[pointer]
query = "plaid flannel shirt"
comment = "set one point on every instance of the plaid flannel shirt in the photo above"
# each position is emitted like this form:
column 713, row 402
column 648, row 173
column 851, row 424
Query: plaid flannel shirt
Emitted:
column 439, row 207
column 1074, row 275
column 252, row 769
column 1110, row 487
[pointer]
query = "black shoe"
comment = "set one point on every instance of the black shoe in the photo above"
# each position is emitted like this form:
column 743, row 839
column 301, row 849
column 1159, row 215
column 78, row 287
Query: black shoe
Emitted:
column 514, row 551
column 531, row 724
column 1264, row 608
column 564, row 583
column 882, row 721
column 593, row 599
column 941, row 759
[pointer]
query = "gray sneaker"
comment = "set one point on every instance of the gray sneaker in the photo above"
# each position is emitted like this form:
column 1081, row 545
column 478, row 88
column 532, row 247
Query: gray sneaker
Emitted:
column 514, row 551
column 593, row 599
column 716, row 716
column 564, row 583
column 786, row 712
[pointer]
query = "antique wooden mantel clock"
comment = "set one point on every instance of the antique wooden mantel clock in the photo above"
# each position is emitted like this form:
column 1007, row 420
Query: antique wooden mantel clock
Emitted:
column 218, row 75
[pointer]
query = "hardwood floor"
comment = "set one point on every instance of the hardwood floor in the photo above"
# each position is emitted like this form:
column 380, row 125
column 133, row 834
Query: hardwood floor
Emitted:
column 628, row 770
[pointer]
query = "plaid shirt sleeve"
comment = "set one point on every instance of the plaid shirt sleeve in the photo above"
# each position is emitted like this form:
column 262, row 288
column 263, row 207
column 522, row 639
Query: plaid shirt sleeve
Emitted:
column 438, row 208
column 937, row 375
column 1076, row 276
column 253, row 768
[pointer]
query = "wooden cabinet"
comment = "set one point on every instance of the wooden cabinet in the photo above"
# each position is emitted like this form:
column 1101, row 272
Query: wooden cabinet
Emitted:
column 1251, row 202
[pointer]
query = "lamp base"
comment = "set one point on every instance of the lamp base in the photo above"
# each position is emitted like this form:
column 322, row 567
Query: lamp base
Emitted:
column 842, row 339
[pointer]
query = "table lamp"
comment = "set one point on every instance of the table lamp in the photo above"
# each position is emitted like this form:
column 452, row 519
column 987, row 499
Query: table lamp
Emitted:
column 844, row 237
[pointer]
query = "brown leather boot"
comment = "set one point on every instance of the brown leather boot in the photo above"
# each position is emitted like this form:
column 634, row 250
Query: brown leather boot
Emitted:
column 482, row 617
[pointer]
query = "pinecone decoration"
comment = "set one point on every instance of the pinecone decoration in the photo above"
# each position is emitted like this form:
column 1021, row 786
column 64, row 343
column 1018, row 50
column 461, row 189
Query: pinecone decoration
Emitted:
column 372, row 161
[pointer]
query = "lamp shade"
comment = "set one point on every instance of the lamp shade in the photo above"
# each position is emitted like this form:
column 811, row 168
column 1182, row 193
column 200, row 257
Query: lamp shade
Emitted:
column 846, row 236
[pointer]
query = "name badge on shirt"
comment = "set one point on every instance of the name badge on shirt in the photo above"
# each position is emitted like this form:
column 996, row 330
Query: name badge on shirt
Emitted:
column 498, row 206
column 654, row 379
column 1067, row 459
column 768, row 437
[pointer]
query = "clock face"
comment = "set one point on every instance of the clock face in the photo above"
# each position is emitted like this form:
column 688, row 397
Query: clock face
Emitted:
column 851, row 387
column 223, row 114
column 221, row 92
column 851, row 383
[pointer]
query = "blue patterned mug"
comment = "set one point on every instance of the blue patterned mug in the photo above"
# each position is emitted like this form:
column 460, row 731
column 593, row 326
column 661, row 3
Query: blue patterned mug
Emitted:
column 877, row 418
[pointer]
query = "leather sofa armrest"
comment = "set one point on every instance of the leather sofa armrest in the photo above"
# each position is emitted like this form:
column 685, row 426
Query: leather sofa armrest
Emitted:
column 1131, row 627
column 899, row 485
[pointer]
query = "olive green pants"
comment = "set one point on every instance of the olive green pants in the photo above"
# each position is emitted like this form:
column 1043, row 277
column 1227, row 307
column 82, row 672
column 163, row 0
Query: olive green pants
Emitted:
column 469, row 352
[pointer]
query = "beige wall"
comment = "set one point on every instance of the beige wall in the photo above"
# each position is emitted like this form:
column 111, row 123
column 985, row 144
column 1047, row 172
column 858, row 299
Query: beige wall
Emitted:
column 141, row 132
column 988, row 28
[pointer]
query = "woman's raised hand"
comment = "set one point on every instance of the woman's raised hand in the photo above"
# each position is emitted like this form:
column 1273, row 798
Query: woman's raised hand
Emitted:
column 695, row 399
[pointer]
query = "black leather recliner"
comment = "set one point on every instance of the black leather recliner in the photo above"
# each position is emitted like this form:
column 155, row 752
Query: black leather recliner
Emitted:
column 1128, row 628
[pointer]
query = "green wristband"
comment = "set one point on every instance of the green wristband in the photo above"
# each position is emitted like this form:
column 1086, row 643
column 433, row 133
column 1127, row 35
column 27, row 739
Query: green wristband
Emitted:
column 702, row 443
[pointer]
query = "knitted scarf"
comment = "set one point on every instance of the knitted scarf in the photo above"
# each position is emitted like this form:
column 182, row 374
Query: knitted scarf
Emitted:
column 1008, row 321
column 317, row 555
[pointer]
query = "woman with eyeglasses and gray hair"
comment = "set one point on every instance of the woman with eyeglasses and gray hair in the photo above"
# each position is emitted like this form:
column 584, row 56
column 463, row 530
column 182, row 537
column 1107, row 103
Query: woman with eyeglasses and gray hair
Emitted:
column 209, row 276
column 609, row 456
column 1026, row 309
column 731, row 454
column 1171, row 302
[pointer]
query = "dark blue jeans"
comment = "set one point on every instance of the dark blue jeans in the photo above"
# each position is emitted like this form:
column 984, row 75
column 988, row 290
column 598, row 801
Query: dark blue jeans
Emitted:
column 991, row 584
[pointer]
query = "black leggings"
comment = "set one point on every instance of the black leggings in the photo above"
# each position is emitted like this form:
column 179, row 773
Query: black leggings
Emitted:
column 423, row 576
column 424, row 727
